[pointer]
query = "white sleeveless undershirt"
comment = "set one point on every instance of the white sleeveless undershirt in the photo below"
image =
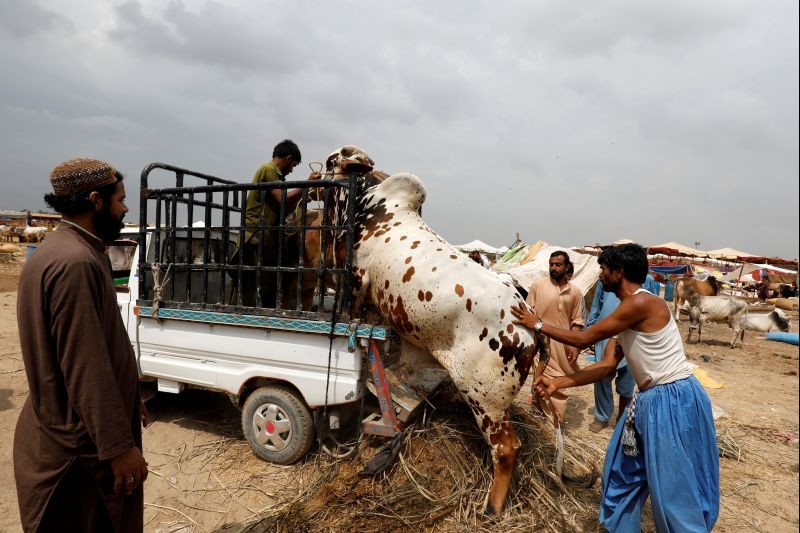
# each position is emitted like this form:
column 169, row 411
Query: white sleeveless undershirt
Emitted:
column 659, row 355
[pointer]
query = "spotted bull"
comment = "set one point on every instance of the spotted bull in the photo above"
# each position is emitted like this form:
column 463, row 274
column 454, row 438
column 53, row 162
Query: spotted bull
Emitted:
column 440, row 300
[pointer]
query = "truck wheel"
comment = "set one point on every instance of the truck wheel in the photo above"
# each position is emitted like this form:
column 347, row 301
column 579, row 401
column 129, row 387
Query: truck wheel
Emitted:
column 277, row 425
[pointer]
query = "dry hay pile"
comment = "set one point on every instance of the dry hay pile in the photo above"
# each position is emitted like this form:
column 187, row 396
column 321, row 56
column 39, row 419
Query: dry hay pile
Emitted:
column 440, row 481
column 9, row 249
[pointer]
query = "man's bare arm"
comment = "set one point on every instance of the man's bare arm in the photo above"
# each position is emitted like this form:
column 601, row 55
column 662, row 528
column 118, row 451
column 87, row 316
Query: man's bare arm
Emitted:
column 545, row 386
column 629, row 313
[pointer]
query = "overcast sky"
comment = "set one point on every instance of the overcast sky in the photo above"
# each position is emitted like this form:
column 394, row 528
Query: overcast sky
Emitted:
column 571, row 122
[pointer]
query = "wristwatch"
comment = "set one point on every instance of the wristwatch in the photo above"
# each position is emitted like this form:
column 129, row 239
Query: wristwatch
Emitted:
column 538, row 327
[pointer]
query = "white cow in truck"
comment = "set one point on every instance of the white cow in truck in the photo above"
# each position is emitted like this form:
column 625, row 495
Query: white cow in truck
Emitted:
column 716, row 309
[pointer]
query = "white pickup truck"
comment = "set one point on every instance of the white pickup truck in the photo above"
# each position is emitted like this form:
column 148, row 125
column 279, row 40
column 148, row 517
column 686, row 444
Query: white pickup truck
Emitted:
column 295, row 374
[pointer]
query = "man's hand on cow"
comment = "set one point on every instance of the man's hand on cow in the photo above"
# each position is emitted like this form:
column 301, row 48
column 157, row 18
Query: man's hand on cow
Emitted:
column 314, row 176
column 544, row 387
column 525, row 316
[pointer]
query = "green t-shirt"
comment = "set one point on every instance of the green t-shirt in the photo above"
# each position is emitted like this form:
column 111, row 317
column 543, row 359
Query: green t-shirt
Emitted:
column 265, row 214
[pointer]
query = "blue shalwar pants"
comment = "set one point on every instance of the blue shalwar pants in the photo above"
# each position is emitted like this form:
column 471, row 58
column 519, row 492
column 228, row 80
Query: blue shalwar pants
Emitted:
column 677, row 464
column 604, row 396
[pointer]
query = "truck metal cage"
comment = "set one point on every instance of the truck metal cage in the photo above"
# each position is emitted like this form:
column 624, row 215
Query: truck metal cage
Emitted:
column 197, row 229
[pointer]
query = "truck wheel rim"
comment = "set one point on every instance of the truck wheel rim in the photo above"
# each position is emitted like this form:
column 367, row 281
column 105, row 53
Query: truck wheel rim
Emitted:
column 272, row 427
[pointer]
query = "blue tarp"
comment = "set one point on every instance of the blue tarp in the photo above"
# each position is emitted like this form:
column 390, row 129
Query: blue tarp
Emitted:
column 671, row 270
column 781, row 336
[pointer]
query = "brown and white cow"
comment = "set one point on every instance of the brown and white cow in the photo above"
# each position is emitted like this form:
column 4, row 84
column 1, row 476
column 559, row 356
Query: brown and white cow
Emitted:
column 438, row 299
column 685, row 288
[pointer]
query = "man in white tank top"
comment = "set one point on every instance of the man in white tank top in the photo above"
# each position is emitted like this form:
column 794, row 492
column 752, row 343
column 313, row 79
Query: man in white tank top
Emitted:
column 665, row 446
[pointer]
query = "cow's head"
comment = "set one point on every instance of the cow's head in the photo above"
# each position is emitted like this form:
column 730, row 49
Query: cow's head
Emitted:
column 348, row 159
column 715, row 285
column 780, row 320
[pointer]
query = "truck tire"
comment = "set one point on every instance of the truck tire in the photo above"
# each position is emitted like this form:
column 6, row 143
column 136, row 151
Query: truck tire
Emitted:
column 277, row 425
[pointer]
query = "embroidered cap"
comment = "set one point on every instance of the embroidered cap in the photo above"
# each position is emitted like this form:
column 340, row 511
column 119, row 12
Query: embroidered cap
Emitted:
column 81, row 175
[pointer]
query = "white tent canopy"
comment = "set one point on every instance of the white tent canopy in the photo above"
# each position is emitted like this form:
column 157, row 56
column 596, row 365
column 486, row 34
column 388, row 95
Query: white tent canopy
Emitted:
column 481, row 247
column 742, row 272
column 519, row 254
column 773, row 268
column 729, row 253
column 687, row 250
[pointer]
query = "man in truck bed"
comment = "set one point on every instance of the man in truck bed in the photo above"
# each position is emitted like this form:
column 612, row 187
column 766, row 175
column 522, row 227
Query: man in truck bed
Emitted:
column 262, row 214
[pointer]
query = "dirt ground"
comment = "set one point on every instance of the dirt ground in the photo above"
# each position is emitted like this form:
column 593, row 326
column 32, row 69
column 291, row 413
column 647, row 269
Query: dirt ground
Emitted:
column 204, row 478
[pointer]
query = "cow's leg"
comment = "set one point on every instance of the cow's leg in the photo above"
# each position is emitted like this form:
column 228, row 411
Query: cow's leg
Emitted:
column 734, row 324
column 308, row 291
column 689, row 334
column 505, row 449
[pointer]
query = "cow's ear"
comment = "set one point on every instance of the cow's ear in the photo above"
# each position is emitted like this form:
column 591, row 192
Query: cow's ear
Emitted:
column 329, row 162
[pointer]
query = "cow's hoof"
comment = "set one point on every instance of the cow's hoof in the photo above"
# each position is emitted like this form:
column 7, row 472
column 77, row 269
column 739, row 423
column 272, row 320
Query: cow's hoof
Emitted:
column 490, row 511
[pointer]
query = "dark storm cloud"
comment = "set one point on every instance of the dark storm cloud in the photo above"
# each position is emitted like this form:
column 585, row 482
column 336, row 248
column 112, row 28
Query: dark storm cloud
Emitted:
column 217, row 35
column 25, row 18
column 569, row 123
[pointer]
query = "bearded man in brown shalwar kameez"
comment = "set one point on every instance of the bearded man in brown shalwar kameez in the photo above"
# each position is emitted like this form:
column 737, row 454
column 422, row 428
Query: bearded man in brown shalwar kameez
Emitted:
column 77, row 448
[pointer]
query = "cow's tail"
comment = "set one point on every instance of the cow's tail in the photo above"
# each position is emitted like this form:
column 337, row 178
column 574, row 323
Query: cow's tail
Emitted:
column 582, row 482
column 559, row 452
column 588, row 480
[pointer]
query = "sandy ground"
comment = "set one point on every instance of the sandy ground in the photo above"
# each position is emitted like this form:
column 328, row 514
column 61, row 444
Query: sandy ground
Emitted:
column 203, row 477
